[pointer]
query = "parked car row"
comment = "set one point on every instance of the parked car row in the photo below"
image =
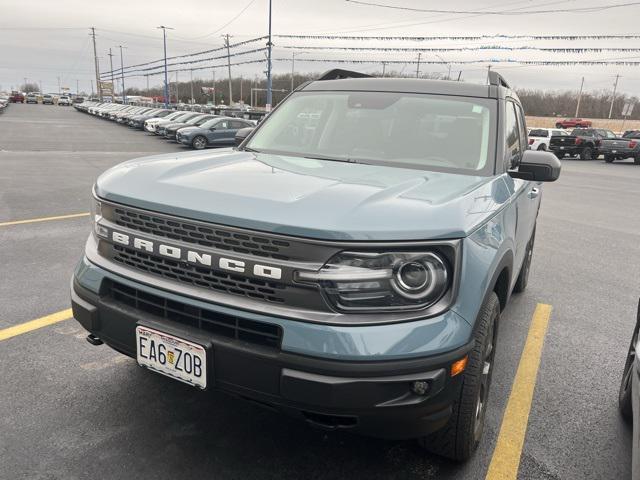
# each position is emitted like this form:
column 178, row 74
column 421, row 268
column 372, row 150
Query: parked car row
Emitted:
column 4, row 102
column 194, row 129
column 587, row 143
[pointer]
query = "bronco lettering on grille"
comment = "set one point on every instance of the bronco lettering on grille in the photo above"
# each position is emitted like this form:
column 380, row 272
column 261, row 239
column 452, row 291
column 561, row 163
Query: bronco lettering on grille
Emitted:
column 195, row 257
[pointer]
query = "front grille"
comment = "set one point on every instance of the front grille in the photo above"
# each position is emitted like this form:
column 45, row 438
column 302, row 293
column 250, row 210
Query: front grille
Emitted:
column 205, row 235
column 229, row 326
column 202, row 277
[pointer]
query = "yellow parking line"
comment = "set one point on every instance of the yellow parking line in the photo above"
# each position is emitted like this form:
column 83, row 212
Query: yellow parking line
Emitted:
column 506, row 456
column 35, row 324
column 44, row 219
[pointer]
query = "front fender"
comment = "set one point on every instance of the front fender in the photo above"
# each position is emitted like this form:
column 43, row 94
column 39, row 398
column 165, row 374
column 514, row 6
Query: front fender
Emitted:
column 486, row 253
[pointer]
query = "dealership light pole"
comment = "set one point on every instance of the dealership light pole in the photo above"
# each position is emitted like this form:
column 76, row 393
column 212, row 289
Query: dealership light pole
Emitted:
column 124, row 95
column 418, row 66
column 166, row 80
column 269, row 45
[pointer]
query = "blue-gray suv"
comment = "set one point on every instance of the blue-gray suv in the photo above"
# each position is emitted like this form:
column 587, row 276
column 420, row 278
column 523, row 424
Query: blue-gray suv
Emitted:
column 346, row 264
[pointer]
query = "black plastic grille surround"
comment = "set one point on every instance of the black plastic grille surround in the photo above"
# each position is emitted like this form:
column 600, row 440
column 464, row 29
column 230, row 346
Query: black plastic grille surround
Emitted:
column 202, row 277
column 251, row 331
column 207, row 236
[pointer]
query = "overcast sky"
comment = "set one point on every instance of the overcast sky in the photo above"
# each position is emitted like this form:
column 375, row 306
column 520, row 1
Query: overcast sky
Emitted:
column 42, row 40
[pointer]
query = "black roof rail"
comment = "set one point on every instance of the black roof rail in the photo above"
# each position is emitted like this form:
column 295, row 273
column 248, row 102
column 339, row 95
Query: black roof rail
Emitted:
column 338, row 73
column 496, row 79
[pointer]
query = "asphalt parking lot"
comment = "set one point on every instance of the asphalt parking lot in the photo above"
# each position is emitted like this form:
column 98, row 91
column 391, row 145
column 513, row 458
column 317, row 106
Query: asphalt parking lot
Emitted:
column 69, row 410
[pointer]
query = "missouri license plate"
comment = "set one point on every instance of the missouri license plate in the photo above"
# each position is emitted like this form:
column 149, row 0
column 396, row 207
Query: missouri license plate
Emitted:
column 172, row 356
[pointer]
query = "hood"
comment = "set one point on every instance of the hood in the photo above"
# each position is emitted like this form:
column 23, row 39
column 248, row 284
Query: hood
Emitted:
column 191, row 129
column 304, row 197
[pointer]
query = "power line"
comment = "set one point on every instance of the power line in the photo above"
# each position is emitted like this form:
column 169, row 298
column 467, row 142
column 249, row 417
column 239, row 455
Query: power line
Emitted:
column 229, row 22
column 463, row 49
column 497, row 12
column 624, row 36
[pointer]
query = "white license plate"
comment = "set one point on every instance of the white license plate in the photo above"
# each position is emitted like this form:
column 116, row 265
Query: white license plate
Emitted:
column 561, row 148
column 614, row 151
column 172, row 356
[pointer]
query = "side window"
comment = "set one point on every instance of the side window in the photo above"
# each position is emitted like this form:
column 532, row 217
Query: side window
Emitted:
column 513, row 143
column 237, row 124
column 222, row 125
column 524, row 141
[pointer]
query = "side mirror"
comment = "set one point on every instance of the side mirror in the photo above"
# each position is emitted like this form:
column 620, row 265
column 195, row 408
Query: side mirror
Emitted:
column 538, row 166
column 242, row 134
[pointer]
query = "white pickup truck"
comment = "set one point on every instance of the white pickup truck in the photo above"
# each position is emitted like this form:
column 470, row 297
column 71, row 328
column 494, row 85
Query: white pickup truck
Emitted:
column 539, row 137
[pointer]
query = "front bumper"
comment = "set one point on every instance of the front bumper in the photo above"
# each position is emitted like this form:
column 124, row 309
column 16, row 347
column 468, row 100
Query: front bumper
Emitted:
column 370, row 395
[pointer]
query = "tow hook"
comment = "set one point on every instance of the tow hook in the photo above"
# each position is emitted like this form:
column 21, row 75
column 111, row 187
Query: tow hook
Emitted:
column 93, row 340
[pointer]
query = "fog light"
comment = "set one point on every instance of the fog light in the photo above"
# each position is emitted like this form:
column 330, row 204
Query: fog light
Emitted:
column 420, row 387
column 101, row 231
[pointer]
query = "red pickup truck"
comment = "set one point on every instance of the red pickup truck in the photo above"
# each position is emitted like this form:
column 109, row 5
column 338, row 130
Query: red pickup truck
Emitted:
column 573, row 123
column 16, row 97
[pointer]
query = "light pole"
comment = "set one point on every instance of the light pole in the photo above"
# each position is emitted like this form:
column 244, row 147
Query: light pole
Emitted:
column 124, row 95
column 418, row 66
column 613, row 97
column 166, row 80
column 269, row 97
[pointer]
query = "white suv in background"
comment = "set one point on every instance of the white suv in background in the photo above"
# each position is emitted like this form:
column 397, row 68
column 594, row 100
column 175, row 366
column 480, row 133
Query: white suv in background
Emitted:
column 539, row 137
column 64, row 100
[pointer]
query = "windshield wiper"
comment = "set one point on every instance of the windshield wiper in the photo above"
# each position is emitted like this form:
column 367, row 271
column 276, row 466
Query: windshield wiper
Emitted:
column 249, row 149
column 331, row 159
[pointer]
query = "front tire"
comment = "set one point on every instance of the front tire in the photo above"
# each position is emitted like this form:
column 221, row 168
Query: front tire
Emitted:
column 586, row 153
column 542, row 147
column 199, row 142
column 636, row 160
column 460, row 437
column 559, row 125
column 625, row 392
column 608, row 158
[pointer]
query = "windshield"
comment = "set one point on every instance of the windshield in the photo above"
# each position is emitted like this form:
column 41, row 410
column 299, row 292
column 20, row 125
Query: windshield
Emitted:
column 431, row 132
column 195, row 120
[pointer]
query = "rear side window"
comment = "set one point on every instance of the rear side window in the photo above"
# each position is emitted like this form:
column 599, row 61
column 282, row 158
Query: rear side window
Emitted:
column 539, row 133
column 512, row 136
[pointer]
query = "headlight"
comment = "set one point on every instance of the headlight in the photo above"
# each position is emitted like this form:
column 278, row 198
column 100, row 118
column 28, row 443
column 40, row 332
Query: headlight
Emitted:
column 96, row 216
column 360, row 281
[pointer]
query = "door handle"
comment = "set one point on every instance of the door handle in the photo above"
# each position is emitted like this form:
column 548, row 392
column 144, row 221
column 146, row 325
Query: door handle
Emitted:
column 534, row 192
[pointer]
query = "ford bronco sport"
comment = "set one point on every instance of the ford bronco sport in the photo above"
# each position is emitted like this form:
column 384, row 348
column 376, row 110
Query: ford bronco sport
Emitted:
column 347, row 263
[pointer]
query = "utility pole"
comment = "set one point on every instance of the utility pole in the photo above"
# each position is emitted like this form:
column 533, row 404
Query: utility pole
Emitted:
column 95, row 59
column 192, row 100
column 293, row 69
column 384, row 68
column 613, row 97
column 92, row 92
column 579, row 97
column 147, row 75
column 177, row 88
column 124, row 95
column 166, row 80
column 241, row 101
column 77, row 87
column 40, row 82
column 418, row 67
column 226, row 44
column 59, row 89
column 113, row 82
column 213, row 96
column 459, row 75
column 269, row 45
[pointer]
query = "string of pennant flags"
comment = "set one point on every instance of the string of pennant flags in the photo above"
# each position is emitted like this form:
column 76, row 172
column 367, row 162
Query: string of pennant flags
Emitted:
column 465, row 49
column 625, row 36
column 188, row 63
column 187, row 55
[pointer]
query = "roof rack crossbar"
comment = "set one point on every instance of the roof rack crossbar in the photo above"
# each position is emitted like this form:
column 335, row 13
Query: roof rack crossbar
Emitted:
column 338, row 73
column 496, row 79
